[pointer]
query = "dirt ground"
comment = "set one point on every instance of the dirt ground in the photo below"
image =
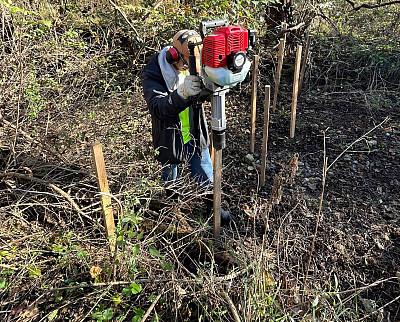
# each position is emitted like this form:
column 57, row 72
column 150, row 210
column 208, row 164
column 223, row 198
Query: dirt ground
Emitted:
column 357, row 241
column 358, row 238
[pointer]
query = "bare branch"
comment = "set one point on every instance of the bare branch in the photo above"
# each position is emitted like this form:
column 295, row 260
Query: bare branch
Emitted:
column 45, row 145
column 371, row 5
column 301, row 24
column 127, row 20
column 51, row 185
column 231, row 306
column 153, row 304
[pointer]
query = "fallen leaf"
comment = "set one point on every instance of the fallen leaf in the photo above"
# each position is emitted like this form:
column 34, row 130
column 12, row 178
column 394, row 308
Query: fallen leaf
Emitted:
column 95, row 271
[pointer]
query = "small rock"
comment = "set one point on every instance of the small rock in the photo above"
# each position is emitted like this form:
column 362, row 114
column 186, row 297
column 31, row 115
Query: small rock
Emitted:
column 312, row 186
column 369, row 305
column 250, row 157
column 250, row 168
column 379, row 244
column 340, row 248
column 372, row 142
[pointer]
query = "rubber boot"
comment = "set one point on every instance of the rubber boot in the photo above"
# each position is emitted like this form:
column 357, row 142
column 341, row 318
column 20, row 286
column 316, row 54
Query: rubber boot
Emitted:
column 226, row 216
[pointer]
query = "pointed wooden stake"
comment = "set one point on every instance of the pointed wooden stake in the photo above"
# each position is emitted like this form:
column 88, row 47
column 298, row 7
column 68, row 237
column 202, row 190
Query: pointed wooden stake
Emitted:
column 105, row 198
column 281, row 54
column 304, row 62
column 264, row 148
column 295, row 91
column 254, row 103
column 217, row 192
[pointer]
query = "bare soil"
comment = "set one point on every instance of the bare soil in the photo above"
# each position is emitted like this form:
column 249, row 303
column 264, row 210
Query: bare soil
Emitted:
column 357, row 241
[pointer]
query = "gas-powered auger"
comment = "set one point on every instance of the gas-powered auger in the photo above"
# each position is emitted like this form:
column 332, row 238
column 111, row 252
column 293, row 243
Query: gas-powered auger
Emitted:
column 224, row 63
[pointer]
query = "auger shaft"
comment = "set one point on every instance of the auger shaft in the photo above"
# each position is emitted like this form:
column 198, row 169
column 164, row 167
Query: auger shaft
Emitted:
column 218, row 125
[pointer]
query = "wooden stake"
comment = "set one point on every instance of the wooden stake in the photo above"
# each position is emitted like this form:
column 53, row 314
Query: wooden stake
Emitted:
column 105, row 198
column 284, row 28
column 254, row 103
column 264, row 148
column 295, row 91
column 281, row 54
column 212, row 154
column 304, row 62
column 217, row 192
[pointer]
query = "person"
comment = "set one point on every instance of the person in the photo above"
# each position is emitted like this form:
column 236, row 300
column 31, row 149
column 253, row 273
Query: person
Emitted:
column 179, row 126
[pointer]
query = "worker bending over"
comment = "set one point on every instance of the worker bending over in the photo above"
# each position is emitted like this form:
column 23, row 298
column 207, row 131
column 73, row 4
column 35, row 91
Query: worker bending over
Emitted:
column 179, row 126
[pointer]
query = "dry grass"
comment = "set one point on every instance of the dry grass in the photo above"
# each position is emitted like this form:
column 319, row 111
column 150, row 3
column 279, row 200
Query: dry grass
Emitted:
column 65, row 85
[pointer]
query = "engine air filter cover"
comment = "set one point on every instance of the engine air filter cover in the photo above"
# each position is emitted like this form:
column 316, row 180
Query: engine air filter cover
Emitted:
column 224, row 41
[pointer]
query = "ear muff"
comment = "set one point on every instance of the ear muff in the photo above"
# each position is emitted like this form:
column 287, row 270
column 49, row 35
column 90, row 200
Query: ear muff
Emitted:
column 172, row 55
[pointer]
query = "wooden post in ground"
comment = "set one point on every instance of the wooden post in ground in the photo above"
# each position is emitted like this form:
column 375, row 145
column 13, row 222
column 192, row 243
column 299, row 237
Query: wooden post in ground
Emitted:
column 217, row 192
column 304, row 62
column 295, row 91
column 264, row 148
column 278, row 72
column 105, row 198
column 212, row 152
column 254, row 103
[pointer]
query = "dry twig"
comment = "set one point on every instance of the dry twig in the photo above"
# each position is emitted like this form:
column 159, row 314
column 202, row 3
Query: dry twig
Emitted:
column 50, row 185
column 153, row 304
column 231, row 306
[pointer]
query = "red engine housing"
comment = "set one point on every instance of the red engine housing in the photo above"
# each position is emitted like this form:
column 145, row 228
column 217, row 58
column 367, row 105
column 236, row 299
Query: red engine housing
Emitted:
column 222, row 42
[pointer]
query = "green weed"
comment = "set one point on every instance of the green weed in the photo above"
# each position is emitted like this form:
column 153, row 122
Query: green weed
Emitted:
column 34, row 99
column 104, row 315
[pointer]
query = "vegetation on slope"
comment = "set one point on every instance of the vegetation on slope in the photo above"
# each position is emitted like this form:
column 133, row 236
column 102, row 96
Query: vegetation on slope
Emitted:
column 70, row 75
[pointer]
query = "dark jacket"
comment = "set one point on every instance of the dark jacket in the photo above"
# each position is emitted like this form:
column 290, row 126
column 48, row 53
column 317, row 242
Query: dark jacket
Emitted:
column 164, row 107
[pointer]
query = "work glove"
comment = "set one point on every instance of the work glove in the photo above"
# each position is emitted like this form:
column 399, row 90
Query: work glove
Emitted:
column 191, row 86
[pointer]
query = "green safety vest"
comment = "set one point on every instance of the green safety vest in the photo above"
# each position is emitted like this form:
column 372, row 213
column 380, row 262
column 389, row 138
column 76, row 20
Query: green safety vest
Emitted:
column 185, row 123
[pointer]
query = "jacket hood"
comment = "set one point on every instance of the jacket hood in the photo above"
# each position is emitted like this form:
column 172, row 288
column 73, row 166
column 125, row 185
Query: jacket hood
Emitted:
column 169, row 73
